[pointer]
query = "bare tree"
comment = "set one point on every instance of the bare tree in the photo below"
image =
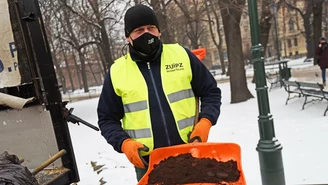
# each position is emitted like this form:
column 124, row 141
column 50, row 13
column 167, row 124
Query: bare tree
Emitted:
column 306, row 15
column 64, row 27
column 193, row 12
column 317, row 24
column 99, row 54
column 76, row 35
column 325, row 20
column 231, row 12
column 48, row 13
column 212, row 9
column 160, row 8
column 266, row 21
column 64, row 55
column 102, row 11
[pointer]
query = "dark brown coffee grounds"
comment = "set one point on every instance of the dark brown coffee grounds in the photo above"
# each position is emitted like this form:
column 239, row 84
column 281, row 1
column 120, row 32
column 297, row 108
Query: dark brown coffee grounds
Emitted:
column 185, row 169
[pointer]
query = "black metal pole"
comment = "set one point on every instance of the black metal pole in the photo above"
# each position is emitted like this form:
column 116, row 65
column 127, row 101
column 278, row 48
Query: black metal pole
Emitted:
column 37, row 43
column 268, row 147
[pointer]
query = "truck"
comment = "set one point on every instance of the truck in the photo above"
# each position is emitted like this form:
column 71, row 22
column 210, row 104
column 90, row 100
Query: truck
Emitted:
column 33, row 117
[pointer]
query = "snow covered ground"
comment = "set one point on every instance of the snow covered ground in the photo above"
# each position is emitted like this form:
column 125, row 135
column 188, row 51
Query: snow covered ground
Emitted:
column 302, row 133
column 294, row 64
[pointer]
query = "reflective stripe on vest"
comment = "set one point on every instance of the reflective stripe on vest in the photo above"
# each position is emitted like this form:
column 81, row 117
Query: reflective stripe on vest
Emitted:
column 180, row 95
column 136, row 106
column 138, row 134
column 129, row 84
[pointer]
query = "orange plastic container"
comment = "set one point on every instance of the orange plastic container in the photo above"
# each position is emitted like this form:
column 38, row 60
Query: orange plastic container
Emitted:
column 219, row 151
column 200, row 53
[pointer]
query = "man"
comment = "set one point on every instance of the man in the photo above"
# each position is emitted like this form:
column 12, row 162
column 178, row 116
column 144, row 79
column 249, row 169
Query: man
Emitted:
column 152, row 90
column 322, row 53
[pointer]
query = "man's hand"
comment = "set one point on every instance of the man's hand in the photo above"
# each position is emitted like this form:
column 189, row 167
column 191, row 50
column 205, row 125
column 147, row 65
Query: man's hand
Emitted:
column 131, row 149
column 320, row 45
column 201, row 131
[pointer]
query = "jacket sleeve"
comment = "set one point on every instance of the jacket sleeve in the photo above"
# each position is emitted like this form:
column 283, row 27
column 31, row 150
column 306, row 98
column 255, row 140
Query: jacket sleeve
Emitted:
column 205, row 86
column 110, row 112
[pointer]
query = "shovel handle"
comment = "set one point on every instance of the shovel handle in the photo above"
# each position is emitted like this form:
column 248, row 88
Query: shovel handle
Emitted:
column 49, row 161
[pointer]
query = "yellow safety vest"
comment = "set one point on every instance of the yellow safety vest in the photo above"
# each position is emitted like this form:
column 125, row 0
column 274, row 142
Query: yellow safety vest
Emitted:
column 129, row 84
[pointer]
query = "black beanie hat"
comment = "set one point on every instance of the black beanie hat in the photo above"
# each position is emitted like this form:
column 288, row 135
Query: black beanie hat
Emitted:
column 137, row 16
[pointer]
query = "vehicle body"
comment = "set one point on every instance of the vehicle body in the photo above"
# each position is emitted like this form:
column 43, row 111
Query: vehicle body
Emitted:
column 33, row 125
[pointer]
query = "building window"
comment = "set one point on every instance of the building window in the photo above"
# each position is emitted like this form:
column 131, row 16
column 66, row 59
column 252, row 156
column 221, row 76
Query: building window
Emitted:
column 291, row 25
column 290, row 53
column 289, row 43
column 296, row 52
column 295, row 42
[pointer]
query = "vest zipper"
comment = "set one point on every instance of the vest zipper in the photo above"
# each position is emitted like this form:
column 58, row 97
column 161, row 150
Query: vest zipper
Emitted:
column 159, row 103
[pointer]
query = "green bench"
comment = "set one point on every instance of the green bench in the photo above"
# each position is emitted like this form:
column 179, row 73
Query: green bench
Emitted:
column 306, row 89
column 274, row 79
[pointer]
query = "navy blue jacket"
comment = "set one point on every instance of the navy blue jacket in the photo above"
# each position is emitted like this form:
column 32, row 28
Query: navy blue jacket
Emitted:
column 110, row 106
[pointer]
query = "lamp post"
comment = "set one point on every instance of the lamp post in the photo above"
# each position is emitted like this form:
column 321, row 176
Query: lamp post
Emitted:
column 273, row 9
column 268, row 147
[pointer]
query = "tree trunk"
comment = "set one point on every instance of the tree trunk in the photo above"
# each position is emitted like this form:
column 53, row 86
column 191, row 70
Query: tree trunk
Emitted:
column 60, row 73
column 193, row 40
column 97, row 53
column 326, row 18
column 221, row 54
column 106, row 45
column 317, row 25
column 100, row 55
column 265, row 24
column 307, row 25
column 67, row 66
column 93, row 73
column 78, row 71
column 58, row 68
column 103, row 60
column 265, row 21
column 231, row 12
column 84, row 75
column 308, row 37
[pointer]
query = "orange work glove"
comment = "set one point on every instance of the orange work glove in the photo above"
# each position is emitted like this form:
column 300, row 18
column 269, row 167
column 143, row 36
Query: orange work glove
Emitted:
column 201, row 131
column 131, row 149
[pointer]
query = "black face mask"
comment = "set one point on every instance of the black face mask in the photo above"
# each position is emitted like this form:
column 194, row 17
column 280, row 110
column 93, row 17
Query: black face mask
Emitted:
column 146, row 44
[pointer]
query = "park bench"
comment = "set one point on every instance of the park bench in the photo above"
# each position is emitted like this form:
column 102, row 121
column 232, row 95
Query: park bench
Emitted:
column 273, row 79
column 306, row 89
column 291, row 87
column 313, row 90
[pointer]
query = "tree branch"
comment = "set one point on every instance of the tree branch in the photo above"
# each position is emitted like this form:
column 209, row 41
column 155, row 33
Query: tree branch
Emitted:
column 294, row 8
column 68, row 41
column 79, row 15
column 86, row 44
column 103, row 9
column 167, row 3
